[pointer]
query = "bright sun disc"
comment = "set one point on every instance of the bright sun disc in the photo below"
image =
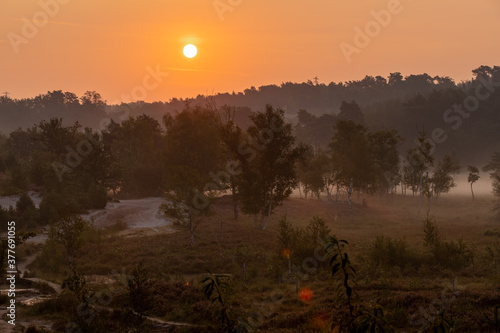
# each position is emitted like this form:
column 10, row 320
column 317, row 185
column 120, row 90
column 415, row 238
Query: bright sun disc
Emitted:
column 190, row 50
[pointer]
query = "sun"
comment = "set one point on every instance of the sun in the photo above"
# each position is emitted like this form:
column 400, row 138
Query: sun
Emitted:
column 190, row 51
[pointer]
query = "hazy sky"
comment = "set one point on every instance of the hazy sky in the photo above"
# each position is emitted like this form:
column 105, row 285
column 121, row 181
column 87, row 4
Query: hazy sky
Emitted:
column 107, row 45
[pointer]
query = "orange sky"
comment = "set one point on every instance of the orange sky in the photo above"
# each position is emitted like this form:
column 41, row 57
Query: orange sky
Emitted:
column 107, row 45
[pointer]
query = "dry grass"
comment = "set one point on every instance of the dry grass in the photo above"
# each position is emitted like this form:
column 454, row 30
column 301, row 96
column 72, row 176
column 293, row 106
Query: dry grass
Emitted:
column 167, row 256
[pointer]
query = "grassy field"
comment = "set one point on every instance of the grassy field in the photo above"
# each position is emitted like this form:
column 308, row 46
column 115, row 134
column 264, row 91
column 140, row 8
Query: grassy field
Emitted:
column 416, row 286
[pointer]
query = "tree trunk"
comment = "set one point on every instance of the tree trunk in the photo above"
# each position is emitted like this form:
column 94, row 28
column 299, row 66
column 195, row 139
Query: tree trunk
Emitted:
column 235, row 202
column 300, row 192
column 472, row 191
column 420, row 199
column 429, row 205
column 349, row 192
column 269, row 210
column 191, row 231
column 70, row 266
column 244, row 275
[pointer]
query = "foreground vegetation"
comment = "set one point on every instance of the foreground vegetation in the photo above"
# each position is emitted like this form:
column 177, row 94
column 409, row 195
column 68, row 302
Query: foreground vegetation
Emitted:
column 439, row 273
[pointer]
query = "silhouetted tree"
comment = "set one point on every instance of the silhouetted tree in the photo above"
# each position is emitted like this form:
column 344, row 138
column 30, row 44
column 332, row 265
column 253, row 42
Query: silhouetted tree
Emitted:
column 442, row 179
column 473, row 177
column 386, row 157
column 493, row 167
column 420, row 160
column 268, row 172
column 353, row 158
column 351, row 111
column 193, row 154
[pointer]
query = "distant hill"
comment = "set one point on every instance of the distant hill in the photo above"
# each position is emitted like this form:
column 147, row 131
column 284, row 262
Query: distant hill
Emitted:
column 402, row 103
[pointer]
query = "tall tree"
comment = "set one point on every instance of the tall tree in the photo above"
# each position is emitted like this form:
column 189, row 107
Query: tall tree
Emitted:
column 420, row 160
column 353, row 159
column 351, row 111
column 231, row 136
column 268, row 165
column 313, row 171
column 386, row 157
column 442, row 180
column 138, row 143
column 493, row 167
column 192, row 153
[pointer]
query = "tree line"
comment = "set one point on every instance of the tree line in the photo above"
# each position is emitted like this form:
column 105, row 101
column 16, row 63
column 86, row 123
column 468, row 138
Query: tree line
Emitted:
column 197, row 155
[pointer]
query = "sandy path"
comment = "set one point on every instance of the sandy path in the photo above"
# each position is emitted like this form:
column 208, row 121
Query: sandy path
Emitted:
column 137, row 214
column 11, row 200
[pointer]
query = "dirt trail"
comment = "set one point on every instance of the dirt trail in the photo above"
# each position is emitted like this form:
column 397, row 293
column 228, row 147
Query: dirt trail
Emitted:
column 140, row 216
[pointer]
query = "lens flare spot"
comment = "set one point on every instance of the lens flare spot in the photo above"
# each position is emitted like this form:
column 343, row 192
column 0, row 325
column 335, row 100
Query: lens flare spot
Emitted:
column 305, row 294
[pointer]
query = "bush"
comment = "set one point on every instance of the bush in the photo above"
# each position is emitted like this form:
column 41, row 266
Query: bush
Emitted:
column 65, row 303
column 26, row 212
column 24, row 203
column 387, row 252
column 317, row 228
column 454, row 255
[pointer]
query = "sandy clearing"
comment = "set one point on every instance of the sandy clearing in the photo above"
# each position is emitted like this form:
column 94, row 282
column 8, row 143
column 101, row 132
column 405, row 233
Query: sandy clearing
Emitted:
column 11, row 200
column 136, row 213
column 141, row 216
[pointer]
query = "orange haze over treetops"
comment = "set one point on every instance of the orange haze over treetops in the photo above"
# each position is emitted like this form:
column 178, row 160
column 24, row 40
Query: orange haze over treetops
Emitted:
column 107, row 45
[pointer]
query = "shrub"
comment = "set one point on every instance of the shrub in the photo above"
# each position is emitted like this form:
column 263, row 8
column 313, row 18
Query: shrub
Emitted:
column 387, row 252
column 26, row 212
column 431, row 236
column 317, row 228
column 454, row 255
